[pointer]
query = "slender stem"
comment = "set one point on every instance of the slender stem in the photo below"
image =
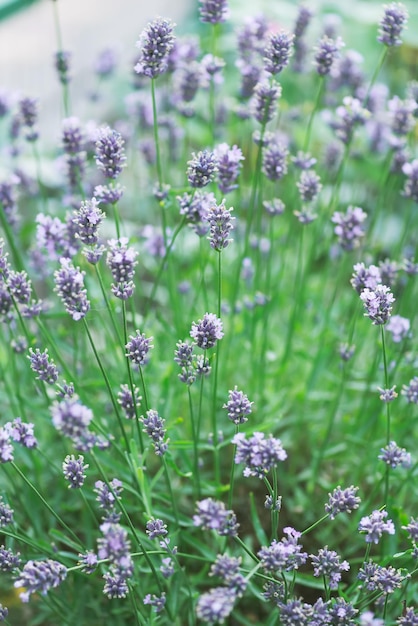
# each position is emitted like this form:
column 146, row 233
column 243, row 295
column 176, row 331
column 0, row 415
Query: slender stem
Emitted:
column 195, row 437
column 45, row 503
column 385, row 367
column 315, row 524
column 313, row 113
column 107, row 383
column 156, row 139
column 232, row 473
column 130, row 377
column 215, row 382
column 170, row 491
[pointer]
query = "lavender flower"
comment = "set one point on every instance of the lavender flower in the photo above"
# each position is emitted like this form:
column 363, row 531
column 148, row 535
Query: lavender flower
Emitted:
column 39, row 577
column 220, row 222
column 278, row 52
column 388, row 395
column 274, row 207
column 309, row 185
column 155, row 43
column 410, row 189
column 264, row 102
column 19, row 286
column 213, row 11
column 229, row 165
column 156, row 528
column 328, row 563
column 259, row 454
column 107, row 495
column 202, row 169
column 367, row 618
column 154, row 427
column 342, row 500
column 128, row 401
column 74, row 471
column 110, row 153
column 378, row 303
column 283, row 556
column 342, row 612
column 69, row 286
column 138, row 348
column 238, row 406
column 6, row 514
column 115, row 546
column 376, row 577
column 87, row 220
column 401, row 112
column 227, row 568
column 121, row 261
column 115, row 584
column 72, row 419
column 105, row 62
column 275, row 157
column 22, row 433
column 392, row 24
column 411, row 391
column 365, row 277
column 295, row 612
column 6, row 448
column 409, row 617
column 215, row 605
column 212, row 515
column 207, row 331
column 8, row 199
column 56, row 237
column 349, row 229
column 8, row 560
column 157, row 602
column 326, row 52
column 374, row 526
column 303, row 161
column 348, row 116
column 28, row 109
column 42, row 365
column 62, row 65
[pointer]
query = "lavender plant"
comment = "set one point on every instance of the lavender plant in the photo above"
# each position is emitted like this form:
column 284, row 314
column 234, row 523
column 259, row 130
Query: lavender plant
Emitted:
column 209, row 415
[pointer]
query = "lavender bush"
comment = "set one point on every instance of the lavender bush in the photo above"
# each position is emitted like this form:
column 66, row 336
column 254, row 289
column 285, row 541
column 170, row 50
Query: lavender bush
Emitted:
column 209, row 362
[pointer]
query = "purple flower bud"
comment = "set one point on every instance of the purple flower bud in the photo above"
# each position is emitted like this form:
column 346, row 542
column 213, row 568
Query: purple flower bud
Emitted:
column 154, row 427
column 202, row 169
column 62, row 65
column 238, row 406
column 264, row 101
column 278, row 52
column 229, row 165
column 309, row 185
column 110, row 153
column 410, row 391
column 410, row 189
column 378, row 303
column 128, row 402
column 260, row 455
column 375, row 525
column 394, row 456
column 212, row 515
column 69, row 285
column 213, row 11
column 138, row 348
column 275, row 157
column 207, row 331
column 392, row 24
column 342, row 500
column 220, row 222
column 326, row 52
column 155, row 43
column 349, row 228
column 74, row 471
column 39, row 577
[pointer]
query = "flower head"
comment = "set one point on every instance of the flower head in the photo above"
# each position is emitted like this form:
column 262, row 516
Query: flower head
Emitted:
column 259, row 454
column 202, row 169
column 229, row 165
column 278, row 52
column 326, row 52
column 392, row 24
column 212, row 515
column 328, row 563
column 375, row 525
column 154, row 427
column 349, row 227
column 216, row 605
column 342, row 500
column 284, row 555
column 238, row 406
column 87, row 221
column 138, row 348
column 213, row 11
column 69, row 285
column 155, row 43
column 264, row 101
column 207, row 331
column 110, row 153
column 74, row 471
column 220, row 222
column 378, row 303
column 39, row 577
column 41, row 364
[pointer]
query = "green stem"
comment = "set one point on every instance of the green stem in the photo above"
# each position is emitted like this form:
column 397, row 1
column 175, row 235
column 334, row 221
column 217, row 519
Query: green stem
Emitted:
column 313, row 113
column 232, row 473
column 195, row 444
column 130, row 377
column 45, row 503
column 385, row 367
column 107, row 383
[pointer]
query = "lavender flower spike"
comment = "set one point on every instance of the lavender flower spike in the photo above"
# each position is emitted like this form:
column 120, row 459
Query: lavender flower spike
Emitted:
column 156, row 42
column 378, row 303
column 207, row 331
column 375, row 525
column 278, row 52
column 69, row 286
column 392, row 24
column 238, row 406
column 220, row 222
column 138, row 348
column 39, row 577
column 42, row 365
column 213, row 11
column 110, row 153
column 326, row 52
column 202, row 169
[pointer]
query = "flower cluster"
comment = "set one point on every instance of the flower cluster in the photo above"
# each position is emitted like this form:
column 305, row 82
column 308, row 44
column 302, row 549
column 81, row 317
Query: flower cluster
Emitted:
column 238, row 406
column 39, row 577
column 259, row 454
column 155, row 43
column 207, row 331
column 375, row 525
column 212, row 515
column 220, row 223
column 378, row 303
column 121, row 260
column 285, row 555
column 154, row 427
column 69, row 285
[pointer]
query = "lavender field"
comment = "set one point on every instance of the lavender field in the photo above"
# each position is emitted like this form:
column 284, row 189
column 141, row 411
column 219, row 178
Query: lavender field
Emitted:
column 209, row 354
